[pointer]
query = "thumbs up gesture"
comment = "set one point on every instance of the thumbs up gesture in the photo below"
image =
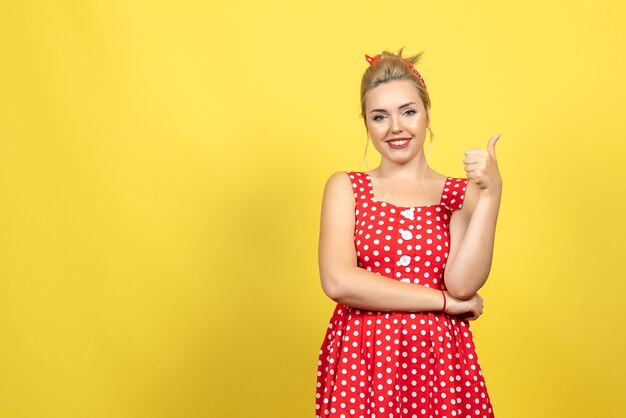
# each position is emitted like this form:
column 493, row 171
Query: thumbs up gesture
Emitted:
column 481, row 167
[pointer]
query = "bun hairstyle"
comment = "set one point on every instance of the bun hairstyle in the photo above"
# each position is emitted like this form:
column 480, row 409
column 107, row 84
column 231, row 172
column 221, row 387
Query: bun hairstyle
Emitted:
column 387, row 67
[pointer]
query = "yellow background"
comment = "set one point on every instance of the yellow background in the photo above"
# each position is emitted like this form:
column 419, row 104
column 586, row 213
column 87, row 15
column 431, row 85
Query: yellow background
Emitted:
column 161, row 172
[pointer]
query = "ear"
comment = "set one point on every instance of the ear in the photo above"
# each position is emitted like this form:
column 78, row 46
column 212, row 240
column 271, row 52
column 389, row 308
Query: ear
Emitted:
column 428, row 117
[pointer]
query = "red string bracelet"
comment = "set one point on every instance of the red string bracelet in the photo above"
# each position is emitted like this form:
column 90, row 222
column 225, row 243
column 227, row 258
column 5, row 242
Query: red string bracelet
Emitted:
column 444, row 301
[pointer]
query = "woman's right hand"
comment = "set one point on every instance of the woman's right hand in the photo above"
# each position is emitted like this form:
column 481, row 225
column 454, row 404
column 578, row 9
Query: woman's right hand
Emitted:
column 469, row 309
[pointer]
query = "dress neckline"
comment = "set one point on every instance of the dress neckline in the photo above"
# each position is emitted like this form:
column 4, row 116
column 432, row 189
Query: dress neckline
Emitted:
column 371, row 190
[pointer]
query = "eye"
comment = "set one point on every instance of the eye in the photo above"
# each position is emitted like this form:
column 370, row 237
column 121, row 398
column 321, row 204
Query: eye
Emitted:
column 378, row 118
column 410, row 112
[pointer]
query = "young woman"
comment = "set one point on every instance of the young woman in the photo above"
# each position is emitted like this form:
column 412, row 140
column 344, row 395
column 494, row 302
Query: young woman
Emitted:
column 403, row 251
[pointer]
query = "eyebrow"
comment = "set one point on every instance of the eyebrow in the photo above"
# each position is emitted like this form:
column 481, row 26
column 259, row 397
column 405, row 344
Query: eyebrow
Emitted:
column 399, row 107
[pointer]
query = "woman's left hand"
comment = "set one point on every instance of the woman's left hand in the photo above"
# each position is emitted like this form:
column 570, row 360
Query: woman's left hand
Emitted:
column 481, row 166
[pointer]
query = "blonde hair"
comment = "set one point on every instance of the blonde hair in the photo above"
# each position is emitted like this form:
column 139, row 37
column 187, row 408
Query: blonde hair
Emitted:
column 390, row 67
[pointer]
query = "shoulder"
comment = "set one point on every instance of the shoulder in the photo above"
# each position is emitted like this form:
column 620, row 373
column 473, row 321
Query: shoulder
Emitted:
column 343, row 178
column 338, row 202
column 340, row 179
column 341, row 184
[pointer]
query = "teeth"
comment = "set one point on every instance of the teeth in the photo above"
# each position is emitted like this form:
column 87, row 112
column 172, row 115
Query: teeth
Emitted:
column 399, row 142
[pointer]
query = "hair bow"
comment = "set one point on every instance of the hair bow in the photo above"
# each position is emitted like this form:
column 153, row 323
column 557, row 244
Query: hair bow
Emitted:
column 372, row 60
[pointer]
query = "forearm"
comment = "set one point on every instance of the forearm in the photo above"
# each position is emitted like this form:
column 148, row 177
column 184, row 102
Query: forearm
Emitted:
column 360, row 288
column 470, row 268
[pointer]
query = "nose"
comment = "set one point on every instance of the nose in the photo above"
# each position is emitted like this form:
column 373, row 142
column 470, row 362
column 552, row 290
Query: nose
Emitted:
column 395, row 125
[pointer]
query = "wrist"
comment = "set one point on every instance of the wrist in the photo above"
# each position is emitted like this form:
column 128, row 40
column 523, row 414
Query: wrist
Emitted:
column 491, row 193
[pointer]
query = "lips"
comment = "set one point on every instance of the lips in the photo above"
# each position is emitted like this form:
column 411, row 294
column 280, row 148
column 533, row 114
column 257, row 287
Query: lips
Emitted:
column 398, row 143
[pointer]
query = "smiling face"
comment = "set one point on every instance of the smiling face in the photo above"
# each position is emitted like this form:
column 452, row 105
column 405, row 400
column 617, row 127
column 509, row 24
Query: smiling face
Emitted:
column 396, row 120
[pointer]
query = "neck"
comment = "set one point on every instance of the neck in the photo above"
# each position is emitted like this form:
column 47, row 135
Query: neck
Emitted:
column 414, row 169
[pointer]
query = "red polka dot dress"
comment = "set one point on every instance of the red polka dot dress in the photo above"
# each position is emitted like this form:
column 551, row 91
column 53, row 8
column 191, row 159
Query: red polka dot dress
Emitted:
column 401, row 364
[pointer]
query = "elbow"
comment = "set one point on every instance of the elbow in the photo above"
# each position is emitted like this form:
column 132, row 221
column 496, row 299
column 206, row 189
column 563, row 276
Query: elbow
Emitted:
column 462, row 294
column 462, row 285
column 331, row 288
column 459, row 291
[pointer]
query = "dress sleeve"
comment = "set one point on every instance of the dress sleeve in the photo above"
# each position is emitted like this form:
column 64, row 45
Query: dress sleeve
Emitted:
column 454, row 193
column 359, row 185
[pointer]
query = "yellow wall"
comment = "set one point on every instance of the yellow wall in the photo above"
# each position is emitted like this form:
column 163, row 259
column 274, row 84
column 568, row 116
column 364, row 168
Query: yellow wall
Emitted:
column 161, row 171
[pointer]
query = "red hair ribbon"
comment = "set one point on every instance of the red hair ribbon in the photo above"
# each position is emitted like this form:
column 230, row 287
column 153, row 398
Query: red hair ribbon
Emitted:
column 372, row 60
